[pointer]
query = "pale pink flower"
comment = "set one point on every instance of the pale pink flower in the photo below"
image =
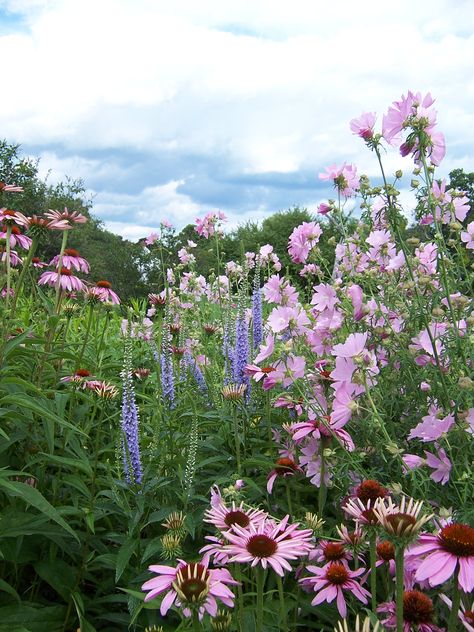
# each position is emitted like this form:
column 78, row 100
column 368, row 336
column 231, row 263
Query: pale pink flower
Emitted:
column 352, row 347
column 72, row 259
column 364, row 125
column 331, row 581
column 467, row 236
column 441, row 466
column 452, row 548
column 432, row 427
column 268, row 544
column 324, row 297
column 14, row 258
column 104, row 293
column 151, row 239
column 266, row 349
column 345, row 178
column 67, row 281
column 302, row 240
column 189, row 585
column 10, row 188
column 71, row 217
column 16, row 237
column 223, row 517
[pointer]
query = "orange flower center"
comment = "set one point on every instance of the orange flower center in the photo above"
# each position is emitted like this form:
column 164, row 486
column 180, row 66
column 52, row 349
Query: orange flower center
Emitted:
column 261, row 546
column 333, row 551
column 105, row 284
column 237, row 517
column 417, row 607
column 71, row 252
column 458, row 539
column 370, row 490
column 386, row 551
column 337, row 573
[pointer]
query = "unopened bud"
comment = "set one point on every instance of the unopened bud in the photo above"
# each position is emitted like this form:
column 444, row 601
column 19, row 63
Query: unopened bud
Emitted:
column 399, row 174
column 455, row 226
column 451, row 243
column 470, row 321
column 413, row 241
column 415, row 183
column 438, row 312
column 416, row 171
column 465, row 383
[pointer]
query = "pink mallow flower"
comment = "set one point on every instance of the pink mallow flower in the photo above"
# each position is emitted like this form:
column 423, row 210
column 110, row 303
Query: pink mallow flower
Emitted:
column 364, row 125
column 302, row 240
column 190, row 585
column 345, row 178
column 441, row 466
column 467, row 236
column 331, row 581
column 451, row 550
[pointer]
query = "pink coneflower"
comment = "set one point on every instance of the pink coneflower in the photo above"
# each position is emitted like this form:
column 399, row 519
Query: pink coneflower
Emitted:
column 37, row 263
column 328, row 551
column 80, row 376
column 189, row 586
column 14, row 258
column 331, row 581
column 7, row 216
column 268, row 544
column 448, row 552
column 16, row 237
column 402, row 520
column 72, row 259
column 36, row 225
column 465, row 614
column 10, row 188
column 67, row 281
column 223, row 517
column 418, row 612
column 103, row 292
column 104, row 390
column 284, row 467
column 71, row 217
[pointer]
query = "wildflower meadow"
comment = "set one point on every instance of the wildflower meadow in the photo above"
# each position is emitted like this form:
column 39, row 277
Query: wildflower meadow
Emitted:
column 251, row 451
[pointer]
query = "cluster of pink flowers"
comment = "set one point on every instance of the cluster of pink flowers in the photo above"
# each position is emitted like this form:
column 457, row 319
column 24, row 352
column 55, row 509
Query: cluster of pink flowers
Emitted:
column 207, row 226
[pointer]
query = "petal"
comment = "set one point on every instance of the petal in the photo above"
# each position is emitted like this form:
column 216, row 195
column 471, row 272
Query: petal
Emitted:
column 466, row 573
column 167, row 602
column 437, row 568
column 341, row 603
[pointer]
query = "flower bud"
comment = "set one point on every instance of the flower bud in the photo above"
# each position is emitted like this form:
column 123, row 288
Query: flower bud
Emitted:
column 465, row 383
column 415, row 183
column 413, row 241
column 399, row 174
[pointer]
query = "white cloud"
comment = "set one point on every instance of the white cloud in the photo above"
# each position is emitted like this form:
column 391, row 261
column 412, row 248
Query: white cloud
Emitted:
column 267, row 85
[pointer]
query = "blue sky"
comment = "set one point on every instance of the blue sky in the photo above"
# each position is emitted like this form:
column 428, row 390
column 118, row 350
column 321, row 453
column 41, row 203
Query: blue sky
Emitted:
column 177, row 107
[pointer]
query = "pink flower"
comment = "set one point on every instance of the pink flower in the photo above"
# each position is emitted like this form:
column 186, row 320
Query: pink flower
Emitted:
column 188, row 585
column 364, row 125
column 331, row 581
column 352, row 347
column 345, row 178
column 67, row 281
column 104, row 293
column 418, row 612
column 71, row 217
column 72, row 259
column 450, row 550
column 206, row 227
column 284, row 467
column 302, row 240
column 266, row 349
column 467, row 236
column 151, row 239
column 441, row 465
column 16, row 238
column 324, row 297
column 431, row 428
column 268, row 544
column 223, row 517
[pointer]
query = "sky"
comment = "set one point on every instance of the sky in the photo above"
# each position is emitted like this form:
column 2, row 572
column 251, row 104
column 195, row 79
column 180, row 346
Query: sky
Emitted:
column 169, row 109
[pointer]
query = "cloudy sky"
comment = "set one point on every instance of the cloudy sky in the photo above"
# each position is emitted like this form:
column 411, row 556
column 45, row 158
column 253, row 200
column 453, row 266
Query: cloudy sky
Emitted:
column 171, row 108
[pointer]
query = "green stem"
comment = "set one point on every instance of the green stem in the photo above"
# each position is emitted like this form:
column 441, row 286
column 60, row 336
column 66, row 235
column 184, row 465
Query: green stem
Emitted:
column 322, row 488
column 373, row 570
column 453, row 617
column 237, row 439
column 259, row 605
column 240, row 597
column 86, row 337
column 60, row 264
column 399, row 582
column 24, row 269
column 8, row 264
column 196, row 623
column 281, row 596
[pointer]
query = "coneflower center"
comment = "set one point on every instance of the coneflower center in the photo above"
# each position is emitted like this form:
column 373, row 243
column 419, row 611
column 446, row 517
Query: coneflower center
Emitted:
column 237, row 517
column 469, row 615
column 82, row 373
column 417, row 607
column 337, row 573
column 285, row 465
column 333, row 551
column 400, row 522
column 66, row 272
column 370, row 490
column 261, row 546
column 192, row 582
column 105, row 284
column 386, row 551
column 458, row 539
column 71, row 252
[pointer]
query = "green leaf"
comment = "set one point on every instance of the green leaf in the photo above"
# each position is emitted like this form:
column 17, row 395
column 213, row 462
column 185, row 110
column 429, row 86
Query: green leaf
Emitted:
column 9, row 589
column 58, row 575
column 36, row 499
column 126, row 551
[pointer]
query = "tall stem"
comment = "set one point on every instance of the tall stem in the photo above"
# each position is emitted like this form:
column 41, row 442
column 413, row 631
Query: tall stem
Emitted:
column 196, row 623
column 26, row 265
column 8, row 264
column 453, row 617
column 60, row 264
column 236, row 438
column 281, row 596
column 399, row 582
column 373, row 570
column 88, row 328
column 259, row 604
